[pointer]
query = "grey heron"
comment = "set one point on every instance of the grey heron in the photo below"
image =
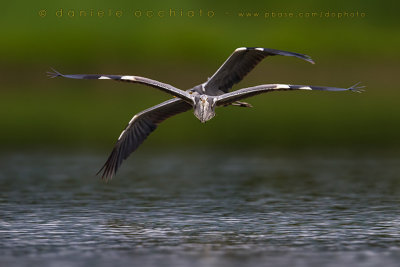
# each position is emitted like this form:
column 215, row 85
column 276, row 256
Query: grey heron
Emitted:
column 203, row 98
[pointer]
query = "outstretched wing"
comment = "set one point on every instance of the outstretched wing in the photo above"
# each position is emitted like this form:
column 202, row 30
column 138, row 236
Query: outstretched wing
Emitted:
column 140, row 126
column 133, row 79
column 241, row 62
column 252, row 91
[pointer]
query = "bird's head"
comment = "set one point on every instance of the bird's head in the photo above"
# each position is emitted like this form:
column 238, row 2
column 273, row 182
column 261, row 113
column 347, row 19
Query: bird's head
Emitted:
column 204, row 108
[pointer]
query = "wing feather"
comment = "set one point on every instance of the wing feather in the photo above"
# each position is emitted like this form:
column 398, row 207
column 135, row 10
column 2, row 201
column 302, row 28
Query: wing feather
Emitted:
column 231, row 97
column 239, row 64
column 132, row 79
column 137, row 131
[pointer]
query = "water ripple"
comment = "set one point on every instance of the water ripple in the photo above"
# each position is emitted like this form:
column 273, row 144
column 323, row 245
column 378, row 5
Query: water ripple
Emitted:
column 177, row 210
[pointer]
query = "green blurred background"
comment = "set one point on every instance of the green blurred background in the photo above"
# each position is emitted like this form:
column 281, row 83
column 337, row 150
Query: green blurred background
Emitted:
column 184, row 50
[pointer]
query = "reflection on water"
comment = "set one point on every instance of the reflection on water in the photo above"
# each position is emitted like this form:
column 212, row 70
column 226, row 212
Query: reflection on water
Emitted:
column 208, row 209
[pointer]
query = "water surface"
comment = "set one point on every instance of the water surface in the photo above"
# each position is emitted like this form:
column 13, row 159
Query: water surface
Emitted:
column 200, row 209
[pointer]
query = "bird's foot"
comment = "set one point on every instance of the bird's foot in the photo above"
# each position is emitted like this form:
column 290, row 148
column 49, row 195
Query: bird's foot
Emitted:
column 241, row 104
column 356, row 88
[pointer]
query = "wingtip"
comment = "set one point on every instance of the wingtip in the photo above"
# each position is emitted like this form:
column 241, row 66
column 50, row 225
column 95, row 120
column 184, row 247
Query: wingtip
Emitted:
column 309, row 59
column 357, row 89
column 53, row 73
column 106, row 175
column 106, row 172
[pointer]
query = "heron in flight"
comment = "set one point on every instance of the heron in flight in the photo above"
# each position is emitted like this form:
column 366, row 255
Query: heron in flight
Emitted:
column 203, row 98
